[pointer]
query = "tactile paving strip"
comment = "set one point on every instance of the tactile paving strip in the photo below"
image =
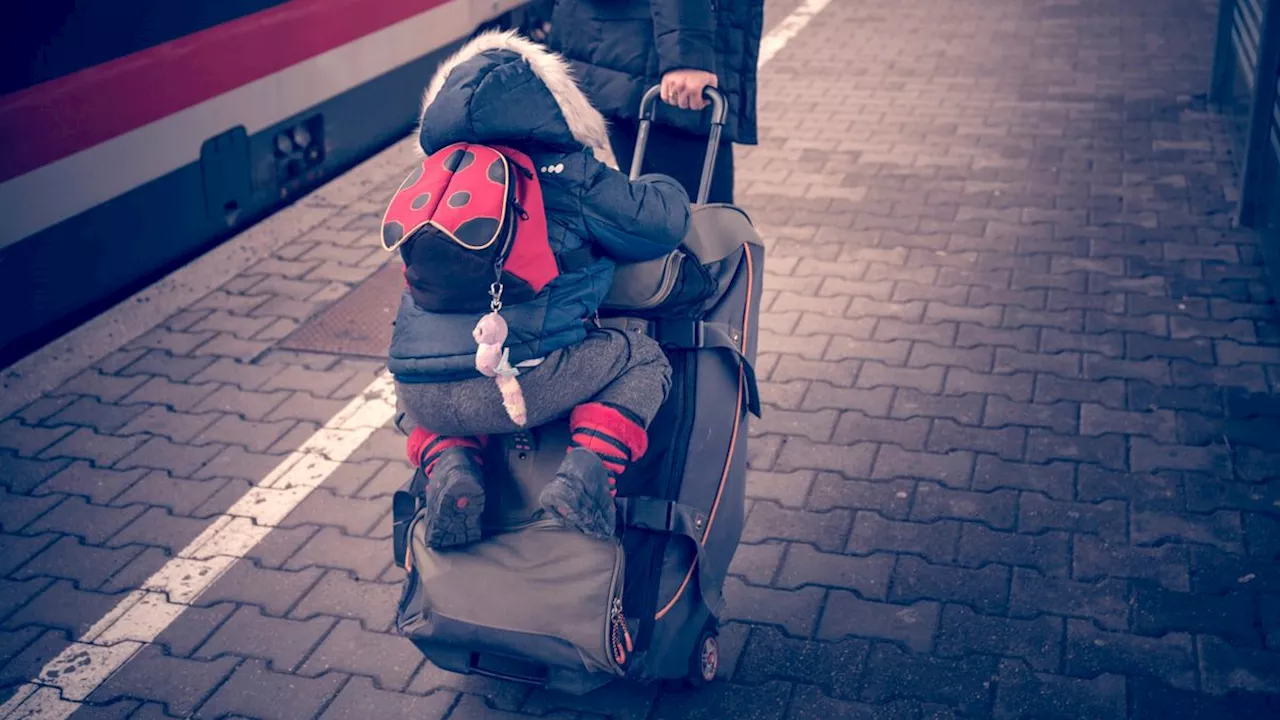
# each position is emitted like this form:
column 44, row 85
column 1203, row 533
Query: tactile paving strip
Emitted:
column 357, row 324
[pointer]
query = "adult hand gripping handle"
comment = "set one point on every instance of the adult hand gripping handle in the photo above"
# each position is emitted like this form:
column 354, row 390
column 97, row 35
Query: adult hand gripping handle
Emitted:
column 719, row 115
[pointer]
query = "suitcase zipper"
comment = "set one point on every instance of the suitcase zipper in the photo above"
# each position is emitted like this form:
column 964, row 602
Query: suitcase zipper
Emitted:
column 616, row 636
column 670, row 271
column 620, row 637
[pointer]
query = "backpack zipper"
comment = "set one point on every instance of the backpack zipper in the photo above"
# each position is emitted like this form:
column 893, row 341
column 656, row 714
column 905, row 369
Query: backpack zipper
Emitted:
column 519, row 208
column 528, row 174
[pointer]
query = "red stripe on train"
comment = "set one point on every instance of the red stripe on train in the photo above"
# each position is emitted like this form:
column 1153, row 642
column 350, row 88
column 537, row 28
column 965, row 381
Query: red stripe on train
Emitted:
column 52, row 120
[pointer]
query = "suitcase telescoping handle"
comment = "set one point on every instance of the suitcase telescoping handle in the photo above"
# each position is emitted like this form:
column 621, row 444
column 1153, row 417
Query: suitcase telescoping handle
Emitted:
column 719, row 115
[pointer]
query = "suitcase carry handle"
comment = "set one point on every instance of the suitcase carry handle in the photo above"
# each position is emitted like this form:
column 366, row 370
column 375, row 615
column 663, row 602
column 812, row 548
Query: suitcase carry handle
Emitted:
column 719, row 115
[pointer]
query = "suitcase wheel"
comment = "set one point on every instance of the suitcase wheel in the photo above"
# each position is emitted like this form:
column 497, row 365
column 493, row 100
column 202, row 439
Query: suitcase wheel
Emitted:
column 704, row 662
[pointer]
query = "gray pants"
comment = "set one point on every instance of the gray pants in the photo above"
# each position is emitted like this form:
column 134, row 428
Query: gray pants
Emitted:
column 626, row 369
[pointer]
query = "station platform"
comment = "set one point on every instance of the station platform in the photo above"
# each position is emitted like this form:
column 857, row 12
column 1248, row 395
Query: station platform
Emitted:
column 1019, row 457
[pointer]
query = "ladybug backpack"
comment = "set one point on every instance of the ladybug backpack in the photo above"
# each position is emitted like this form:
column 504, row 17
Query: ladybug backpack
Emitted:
column 471, row 229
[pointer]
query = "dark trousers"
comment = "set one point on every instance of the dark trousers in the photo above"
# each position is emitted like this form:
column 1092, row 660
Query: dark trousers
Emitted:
column 678, row 154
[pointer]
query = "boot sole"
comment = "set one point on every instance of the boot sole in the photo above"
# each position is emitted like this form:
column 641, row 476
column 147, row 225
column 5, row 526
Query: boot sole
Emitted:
column 454, row 514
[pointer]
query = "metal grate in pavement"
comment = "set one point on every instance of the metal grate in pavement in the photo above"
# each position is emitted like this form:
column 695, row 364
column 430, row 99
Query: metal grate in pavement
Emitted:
column 359, row 323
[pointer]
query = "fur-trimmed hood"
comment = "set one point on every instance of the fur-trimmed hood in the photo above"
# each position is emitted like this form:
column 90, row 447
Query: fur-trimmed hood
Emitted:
column 503, row 88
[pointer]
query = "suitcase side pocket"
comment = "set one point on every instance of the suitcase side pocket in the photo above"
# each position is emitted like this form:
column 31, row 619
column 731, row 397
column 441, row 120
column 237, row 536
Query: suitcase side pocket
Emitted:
column 541, row 594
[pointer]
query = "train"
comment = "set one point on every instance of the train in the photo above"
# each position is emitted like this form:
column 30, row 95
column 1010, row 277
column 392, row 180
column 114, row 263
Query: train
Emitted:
column 137, row 134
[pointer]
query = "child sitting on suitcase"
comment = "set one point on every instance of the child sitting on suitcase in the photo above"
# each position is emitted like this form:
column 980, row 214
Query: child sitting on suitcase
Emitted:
column 509, row 232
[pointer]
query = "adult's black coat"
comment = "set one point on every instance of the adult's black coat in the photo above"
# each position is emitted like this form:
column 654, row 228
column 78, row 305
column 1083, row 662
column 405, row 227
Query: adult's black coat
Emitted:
column 620, row 48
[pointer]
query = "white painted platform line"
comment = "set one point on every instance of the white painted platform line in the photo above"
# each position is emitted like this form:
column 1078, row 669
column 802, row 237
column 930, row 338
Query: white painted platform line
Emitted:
column 67, row 680
column 790, row 26
column 71, row 677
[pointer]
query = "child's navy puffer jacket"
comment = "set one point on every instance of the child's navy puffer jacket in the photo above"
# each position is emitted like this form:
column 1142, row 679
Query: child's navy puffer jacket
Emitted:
column 501, row 89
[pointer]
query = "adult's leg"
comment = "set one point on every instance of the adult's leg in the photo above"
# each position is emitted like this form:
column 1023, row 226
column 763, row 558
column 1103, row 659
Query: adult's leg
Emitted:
column 678, row 154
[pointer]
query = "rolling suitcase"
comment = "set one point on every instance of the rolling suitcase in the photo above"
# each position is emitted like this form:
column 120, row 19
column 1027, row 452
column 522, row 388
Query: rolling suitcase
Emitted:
column 534, row 602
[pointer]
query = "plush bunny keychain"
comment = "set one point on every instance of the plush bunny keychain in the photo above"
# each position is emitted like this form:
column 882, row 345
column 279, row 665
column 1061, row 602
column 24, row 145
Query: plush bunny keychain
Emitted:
column 491, row 360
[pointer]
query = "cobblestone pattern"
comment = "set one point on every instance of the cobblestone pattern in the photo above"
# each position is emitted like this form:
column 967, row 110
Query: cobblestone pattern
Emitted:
column 1019, row 458
column 108, row 476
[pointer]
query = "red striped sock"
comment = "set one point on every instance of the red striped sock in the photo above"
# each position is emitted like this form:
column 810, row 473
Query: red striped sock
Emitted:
column 613, row 433
column 424, row 448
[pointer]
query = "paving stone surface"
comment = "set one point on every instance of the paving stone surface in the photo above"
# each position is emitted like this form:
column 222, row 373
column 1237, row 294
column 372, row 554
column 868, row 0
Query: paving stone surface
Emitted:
column 1019, row 456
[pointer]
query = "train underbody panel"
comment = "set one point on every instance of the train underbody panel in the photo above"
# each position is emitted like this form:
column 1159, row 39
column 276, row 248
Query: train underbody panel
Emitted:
column 85, row 221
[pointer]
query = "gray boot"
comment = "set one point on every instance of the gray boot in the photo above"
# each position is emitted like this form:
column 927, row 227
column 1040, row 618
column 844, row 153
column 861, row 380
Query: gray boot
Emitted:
column 580, row 495
column 454, row 500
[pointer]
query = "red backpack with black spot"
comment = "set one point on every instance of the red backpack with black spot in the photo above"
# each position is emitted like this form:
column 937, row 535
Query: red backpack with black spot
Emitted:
column 471, row 228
